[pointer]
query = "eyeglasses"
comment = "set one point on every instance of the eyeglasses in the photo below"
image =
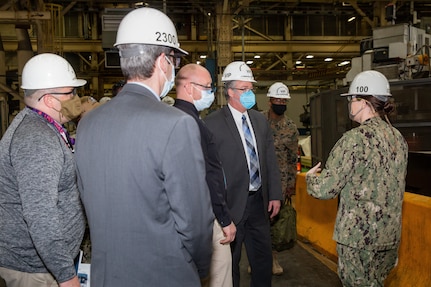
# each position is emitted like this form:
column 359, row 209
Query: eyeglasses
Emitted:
column 353, row 97
column 175, row 60
column 244, row 89
column 206, row 88
column 72, row 92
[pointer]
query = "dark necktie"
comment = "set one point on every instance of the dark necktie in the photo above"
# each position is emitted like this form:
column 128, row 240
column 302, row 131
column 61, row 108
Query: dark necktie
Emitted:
column 254, row 161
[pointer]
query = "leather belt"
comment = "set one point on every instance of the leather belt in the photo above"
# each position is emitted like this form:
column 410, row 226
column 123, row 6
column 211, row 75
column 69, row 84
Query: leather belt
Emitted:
column 253, row 192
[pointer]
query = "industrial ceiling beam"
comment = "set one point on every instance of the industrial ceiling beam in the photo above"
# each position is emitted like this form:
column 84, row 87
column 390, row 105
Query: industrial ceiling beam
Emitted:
column 362, row 13
column 13, row 16
column 68, row 7
column 296, row 46
column 321, row 47
column 7, row 89
column 243, row 24
column 7, row 5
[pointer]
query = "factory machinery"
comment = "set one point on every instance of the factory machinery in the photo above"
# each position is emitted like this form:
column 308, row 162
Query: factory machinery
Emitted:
column 401, row 53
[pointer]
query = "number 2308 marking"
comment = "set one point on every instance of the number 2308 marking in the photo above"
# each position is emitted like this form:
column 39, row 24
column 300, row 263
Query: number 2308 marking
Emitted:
column 165, row 38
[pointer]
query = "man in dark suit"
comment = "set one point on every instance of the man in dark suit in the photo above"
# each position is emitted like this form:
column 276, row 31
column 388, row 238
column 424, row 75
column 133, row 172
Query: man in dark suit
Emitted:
column 141, row 170
column 194, row 94
column 246, row 148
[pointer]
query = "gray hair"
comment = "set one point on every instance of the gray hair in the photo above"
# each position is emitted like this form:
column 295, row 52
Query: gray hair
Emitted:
column 138, row 60
column 32, row 96
column 228, row 85
column 29, row 93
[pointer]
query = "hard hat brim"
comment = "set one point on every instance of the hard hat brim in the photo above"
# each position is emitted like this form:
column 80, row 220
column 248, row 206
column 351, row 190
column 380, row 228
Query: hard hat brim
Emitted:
column 383, row 98
column 180, row 51
column 75, row 83
column 79, row 83
column 279, row 96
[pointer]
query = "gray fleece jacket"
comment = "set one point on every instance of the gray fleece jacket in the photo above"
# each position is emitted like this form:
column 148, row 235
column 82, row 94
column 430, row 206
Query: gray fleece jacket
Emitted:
column 41, row 216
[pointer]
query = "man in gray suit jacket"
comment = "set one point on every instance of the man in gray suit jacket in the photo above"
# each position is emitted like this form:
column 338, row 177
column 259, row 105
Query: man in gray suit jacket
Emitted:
column 252, row 175
column 141, row 170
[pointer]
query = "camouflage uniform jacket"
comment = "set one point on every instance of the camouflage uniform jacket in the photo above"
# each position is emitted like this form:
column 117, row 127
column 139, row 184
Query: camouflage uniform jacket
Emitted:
column 286, row 148
column 367, row 167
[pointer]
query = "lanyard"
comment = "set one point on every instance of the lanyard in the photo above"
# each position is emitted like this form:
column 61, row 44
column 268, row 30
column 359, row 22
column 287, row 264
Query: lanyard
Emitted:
column 64, row 134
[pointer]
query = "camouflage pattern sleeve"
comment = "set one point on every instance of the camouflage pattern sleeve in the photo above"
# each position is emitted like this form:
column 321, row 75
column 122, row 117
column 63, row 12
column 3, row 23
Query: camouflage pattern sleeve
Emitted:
column 337, row 171
column 286, row 147
column 367, row 169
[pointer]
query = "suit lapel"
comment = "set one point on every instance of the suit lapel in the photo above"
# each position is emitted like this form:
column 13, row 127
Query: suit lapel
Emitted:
column 230, row 122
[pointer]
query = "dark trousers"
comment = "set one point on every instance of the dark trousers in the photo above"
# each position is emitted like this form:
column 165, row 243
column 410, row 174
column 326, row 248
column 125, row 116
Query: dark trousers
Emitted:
column 253, row 230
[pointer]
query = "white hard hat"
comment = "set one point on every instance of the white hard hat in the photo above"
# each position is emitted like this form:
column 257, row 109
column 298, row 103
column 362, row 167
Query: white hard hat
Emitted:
column 370, row 83
column 237, row 71
column 45, row 71
column 87, row 104
column 278, row 90
column 148, row 26
column 104, row 100
column 168, row 100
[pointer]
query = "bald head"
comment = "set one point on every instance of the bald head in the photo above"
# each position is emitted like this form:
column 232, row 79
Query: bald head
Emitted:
column 190, row 77
column 87, row 104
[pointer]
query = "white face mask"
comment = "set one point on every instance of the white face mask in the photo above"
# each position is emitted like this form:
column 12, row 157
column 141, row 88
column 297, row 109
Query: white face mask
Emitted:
column 207, row 98
column 352, row 116
column 169, row 84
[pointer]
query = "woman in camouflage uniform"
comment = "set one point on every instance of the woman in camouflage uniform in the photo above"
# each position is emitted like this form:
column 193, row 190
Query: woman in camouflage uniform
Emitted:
column 367, row 169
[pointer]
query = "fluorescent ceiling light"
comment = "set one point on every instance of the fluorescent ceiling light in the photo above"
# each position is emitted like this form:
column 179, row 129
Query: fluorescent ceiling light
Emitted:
column 328, row 59
column 351, row 19
column 298, row 62
column 198, row 62
column 309, row 56
column 203, row 56
column 343, row 63
column 257, row 56
column 249, row 62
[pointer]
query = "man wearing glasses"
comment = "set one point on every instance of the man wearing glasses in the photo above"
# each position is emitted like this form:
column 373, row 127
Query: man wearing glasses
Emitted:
column 41, row 217
column 147, row 201
column 195, row 94
column 246, row 148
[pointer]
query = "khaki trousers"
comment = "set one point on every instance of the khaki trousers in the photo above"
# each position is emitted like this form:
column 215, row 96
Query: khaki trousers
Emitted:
column 221, row 261
column 15, row 278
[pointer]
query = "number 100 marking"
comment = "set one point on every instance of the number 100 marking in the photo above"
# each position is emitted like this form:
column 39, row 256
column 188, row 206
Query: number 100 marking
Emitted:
column 362, row 89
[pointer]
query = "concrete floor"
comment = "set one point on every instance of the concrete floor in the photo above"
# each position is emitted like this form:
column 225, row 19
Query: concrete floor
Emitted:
column 302, row 268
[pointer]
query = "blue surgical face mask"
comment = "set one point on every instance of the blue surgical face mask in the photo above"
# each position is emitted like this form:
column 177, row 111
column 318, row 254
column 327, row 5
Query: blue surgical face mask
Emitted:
column 207, row 98
column 169, row 84
column 247, row 99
